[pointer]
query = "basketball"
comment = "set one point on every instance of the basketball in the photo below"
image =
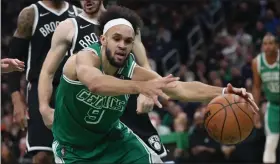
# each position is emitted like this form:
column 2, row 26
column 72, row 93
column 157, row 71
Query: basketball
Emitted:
column 229, row 119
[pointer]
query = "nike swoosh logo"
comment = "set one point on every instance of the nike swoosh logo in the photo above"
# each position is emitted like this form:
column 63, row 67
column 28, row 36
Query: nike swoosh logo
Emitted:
column 84, row 26
column 44, row 14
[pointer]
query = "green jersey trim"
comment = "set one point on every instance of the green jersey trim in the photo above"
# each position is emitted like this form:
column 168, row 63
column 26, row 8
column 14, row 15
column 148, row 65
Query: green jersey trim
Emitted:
column 271, row 66
column 71, row 81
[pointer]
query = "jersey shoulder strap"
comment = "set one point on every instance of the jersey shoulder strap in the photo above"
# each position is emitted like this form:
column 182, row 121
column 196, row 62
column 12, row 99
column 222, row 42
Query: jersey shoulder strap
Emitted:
column 96, row 48
column 128, row 68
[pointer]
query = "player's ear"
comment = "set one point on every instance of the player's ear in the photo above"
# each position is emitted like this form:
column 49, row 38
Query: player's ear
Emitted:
column 103, row 40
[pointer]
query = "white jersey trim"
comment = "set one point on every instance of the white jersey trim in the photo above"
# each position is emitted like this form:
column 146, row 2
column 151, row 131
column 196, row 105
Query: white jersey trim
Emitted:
column 92, row 21
column 58, row 13
column 36, row 148
column 74, row 39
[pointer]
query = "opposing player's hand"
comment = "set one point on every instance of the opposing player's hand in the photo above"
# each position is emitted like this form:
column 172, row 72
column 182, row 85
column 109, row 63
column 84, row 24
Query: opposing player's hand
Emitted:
column 20, row 114
column 153, row 88
column 247, row 96
column 47, row 115
column 11, row 65
column 144, row 104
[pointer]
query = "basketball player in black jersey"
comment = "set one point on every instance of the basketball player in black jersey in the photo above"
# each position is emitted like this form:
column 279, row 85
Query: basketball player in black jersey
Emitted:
column 73, row 35
column 31, row 42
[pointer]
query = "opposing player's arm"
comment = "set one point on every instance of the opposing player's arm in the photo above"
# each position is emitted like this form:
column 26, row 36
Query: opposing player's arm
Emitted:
column 140, row 52
column 87, row 64
column 19, row 48
column 183, row 91
column 256, row 81
column 61, row 41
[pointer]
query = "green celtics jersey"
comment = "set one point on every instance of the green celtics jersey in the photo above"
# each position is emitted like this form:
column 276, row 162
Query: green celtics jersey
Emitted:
column 270, row 78
column 85, row 119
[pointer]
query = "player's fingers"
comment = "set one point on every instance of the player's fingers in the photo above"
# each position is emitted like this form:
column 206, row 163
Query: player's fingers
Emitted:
column 19, row 62
column 139, row 106
column 155, row 98
column 19, row 69
column 171, row 79
column 168, row 76
column 14, row 62
column 3, row 65
column 253, row 105
column 163, row 95
column 229, row 87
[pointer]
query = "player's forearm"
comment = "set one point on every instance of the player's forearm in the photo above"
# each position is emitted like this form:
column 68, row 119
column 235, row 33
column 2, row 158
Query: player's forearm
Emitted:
column 194, row 92
column 17, row 97
column 140, row 54
column 45, row 89
column 256, row 94
column 111, row 86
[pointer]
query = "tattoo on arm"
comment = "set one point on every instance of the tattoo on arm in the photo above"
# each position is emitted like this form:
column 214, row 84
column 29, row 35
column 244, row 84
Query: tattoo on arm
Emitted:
column 25, row 23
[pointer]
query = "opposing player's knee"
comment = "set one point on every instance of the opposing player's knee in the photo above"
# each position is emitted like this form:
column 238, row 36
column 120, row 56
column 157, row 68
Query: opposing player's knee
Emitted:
column 43, row 157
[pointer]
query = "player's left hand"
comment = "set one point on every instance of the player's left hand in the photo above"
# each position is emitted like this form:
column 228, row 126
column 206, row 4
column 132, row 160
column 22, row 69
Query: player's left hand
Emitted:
column 243, row 93
column 144, row 104
column 11, row 65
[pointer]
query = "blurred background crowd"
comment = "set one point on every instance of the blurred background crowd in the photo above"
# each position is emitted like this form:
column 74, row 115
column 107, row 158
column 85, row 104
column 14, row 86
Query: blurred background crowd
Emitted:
column 212, row 41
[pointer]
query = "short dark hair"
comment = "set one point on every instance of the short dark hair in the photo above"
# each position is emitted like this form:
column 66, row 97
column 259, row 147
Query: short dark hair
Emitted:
column 116, row 12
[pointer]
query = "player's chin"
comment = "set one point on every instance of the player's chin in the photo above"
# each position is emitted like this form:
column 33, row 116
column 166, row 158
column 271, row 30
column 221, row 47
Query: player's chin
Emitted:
column 91, row 11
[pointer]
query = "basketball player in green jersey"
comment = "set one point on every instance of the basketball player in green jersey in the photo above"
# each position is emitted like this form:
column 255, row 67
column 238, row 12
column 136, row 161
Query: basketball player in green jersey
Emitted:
column 95, row 87
column 266, row 77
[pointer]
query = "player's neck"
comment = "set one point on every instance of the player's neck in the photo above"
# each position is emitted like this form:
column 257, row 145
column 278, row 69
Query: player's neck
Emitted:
column 53, row 5
column 271, row 58
column 108, row 69
column 90, row 16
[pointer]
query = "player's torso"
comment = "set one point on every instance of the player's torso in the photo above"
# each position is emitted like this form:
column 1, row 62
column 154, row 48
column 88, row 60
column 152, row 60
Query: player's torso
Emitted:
column 80, row 113
column 86, row 33
column 45, row 22
column 270, row 79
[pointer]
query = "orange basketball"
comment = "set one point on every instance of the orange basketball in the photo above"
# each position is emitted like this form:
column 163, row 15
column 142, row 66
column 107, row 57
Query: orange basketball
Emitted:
column 229, row 119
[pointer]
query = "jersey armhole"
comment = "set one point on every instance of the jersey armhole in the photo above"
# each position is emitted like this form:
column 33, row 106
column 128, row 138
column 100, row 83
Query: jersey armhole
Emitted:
column 259, row 63
column 75, row 10
column 74, row 39
column 36, row 18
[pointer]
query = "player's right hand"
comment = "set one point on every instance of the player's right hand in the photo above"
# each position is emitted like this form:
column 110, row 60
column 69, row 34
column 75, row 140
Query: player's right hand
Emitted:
column 47, row 115
column 153, row 88
column 11, row 65
column 20, row 115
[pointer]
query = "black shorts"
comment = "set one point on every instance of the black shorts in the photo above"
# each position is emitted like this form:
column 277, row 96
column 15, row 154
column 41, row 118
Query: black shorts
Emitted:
column 142, row 126
column 39, row 137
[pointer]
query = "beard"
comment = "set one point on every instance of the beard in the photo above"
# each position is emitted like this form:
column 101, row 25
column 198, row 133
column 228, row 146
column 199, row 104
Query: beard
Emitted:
column 112, row 60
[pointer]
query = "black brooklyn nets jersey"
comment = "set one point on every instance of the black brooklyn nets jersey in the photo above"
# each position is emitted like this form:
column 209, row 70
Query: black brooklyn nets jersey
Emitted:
column 45, row 22
column 86, row 33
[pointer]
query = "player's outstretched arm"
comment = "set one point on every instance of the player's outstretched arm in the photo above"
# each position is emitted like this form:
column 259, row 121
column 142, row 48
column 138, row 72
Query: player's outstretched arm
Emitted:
column 87, row 63
column 61, row 41
column 19, row 50
column 191, row 91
